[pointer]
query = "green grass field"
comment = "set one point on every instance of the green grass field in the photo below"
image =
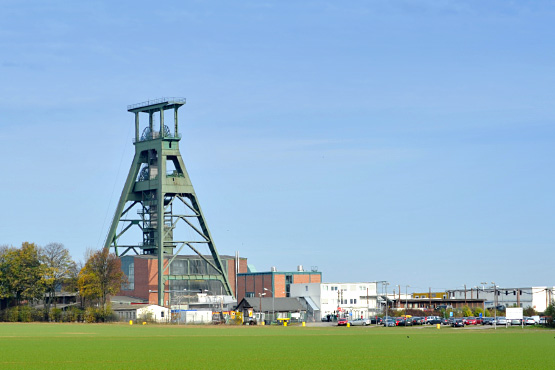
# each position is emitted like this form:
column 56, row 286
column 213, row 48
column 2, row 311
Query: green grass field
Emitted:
column 118, row 346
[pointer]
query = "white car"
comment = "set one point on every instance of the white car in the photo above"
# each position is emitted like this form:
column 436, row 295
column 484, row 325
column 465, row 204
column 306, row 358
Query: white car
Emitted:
column 529, row 321
column 360, row 322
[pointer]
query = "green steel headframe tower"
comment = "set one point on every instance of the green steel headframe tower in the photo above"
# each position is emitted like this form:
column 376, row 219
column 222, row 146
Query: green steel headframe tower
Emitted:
column 156, row 193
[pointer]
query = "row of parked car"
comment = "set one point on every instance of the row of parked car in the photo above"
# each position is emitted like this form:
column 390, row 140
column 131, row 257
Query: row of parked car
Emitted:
column 433, row 320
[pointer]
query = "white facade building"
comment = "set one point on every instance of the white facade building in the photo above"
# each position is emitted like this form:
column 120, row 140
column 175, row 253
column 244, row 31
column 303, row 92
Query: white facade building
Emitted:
column 536, row 297
column 142, row 311
column 353, row 300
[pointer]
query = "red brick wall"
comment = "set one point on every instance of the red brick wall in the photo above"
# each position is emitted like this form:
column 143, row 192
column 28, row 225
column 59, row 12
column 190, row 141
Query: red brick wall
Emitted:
column 300, row 279
column 279, row 285
column 231, row 271
column 241, row 288
column 315, row 278
column 254, row 284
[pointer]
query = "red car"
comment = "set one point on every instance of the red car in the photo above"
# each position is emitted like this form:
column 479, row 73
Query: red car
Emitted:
column 342, row 322
column 470, row 321
column 398, row 320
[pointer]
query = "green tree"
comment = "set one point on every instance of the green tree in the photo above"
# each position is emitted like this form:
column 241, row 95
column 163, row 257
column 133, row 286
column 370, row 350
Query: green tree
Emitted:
column 22, row 273
column 5, row 291
column 550, row 313
column 478, row 311
column 101, row 276
column 529, row 311
column 466, row 311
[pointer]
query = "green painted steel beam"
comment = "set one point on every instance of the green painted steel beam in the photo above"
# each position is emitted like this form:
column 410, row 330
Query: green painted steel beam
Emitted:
column 195, row 277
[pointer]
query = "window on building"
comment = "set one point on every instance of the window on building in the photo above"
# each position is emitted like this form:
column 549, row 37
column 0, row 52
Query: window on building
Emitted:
column 306, row 288
column 351, row 301
column 249, row 294
column 161, row 313
column 355, row 301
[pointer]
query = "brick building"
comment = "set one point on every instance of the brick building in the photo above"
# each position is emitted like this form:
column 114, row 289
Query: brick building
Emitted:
column 252, row 284
column 142, row 276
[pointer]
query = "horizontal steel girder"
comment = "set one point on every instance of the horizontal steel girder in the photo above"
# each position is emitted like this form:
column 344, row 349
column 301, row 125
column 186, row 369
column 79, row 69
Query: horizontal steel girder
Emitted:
column 194, row 277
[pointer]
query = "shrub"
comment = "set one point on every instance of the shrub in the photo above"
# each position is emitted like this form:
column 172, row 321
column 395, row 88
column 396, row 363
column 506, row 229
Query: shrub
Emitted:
column 12, row 314
column 56, row 314
column 73, row 314
column 90, row 315
column 99, row 314
column 146, row 317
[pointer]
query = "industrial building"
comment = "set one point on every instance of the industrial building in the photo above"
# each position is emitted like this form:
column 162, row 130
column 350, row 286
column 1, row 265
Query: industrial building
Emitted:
column 142, row 277
column 344, row 299
column 273, row 283
column 537, row 298
column 272, row 309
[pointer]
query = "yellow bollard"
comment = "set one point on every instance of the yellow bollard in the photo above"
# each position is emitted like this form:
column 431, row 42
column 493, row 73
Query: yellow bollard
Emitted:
column 144, row 322
column 284, row 323
column 130, row 322
column 438, row 326
column 304, row 323
column 348, row 325
column 263, row 323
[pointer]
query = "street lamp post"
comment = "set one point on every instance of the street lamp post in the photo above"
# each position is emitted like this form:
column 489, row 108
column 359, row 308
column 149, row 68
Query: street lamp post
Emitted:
column 484, row 290
column 273, row 303
column 260, row 304
column 386, row 300
column 495, row 303
column 406, row 299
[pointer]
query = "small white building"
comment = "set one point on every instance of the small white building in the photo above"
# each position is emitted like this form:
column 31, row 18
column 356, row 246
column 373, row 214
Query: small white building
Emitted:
column 352, row 300
column 126, row 312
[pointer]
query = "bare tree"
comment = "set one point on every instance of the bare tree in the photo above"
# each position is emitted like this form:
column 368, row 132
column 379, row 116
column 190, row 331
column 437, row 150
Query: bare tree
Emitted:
column 58, row 267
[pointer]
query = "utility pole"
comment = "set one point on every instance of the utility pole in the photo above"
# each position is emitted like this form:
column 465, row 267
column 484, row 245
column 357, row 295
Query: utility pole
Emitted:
column 368, row 302
column 406, row 298
column 495, row 302
column 386, row 299
column 484, row 290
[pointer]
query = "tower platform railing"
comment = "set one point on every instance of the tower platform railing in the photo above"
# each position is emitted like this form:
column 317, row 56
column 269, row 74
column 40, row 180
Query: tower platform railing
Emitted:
column 157, row 101
column 156, row 135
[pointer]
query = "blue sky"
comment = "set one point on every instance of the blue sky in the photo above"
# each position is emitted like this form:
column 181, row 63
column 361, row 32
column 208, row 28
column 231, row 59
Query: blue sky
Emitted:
column 408, row 141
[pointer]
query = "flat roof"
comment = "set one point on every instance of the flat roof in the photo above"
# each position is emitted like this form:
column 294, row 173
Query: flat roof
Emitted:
column 156, row 104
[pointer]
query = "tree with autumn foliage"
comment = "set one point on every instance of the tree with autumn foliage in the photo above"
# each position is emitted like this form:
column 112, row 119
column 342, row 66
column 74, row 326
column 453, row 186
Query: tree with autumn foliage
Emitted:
column 101, row 276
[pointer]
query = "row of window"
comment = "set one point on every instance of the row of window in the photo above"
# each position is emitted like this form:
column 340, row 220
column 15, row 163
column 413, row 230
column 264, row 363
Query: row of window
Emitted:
column 351, row 288
column 349, row 301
